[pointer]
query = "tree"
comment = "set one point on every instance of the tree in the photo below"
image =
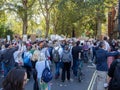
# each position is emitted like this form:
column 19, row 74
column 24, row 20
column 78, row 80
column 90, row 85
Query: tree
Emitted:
column 46, row 7
column 23, row 8
column 85, row 12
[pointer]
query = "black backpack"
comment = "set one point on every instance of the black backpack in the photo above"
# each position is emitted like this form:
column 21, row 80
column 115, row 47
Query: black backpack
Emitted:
column 7, row 55
column 116, row 76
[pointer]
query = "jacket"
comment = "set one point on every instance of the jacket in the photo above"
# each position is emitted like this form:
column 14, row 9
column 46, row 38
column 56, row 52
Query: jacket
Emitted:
column 101, row 59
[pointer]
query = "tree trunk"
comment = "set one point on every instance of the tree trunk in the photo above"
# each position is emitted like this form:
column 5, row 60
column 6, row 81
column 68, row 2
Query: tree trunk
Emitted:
column 47, row 19
column 47, row 28
column 73, row 32
column 25, row 25
column 99, row 32
column 55, row 29
column 25, row 18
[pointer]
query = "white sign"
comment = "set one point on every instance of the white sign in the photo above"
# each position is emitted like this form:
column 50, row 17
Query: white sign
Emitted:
column 25, row 38
column 8, row 37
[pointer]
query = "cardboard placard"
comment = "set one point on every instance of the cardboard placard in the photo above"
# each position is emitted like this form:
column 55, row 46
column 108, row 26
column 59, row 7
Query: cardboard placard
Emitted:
column 33, row 38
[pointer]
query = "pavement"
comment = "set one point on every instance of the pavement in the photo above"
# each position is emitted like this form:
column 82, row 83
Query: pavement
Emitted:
column 73, row 84
column 56, row 84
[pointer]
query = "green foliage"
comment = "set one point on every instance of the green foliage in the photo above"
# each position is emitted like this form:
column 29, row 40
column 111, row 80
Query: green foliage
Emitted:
column 82, row 15
column 5, row 30
column 58, row 16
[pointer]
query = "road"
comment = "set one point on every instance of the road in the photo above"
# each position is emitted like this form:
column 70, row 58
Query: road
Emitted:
column 73, row 84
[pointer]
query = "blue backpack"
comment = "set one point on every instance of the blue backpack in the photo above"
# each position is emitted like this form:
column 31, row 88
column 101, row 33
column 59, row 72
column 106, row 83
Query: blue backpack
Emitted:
column 46, row 74
column 27, row 61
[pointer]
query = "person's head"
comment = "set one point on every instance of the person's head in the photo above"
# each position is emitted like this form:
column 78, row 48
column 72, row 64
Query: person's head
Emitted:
column 41, row 44
column 105, row 38
column 102, row 44
column 77, row 43
column 7, row 45
column 67, row 47
column 15, row 80
column 28, row 46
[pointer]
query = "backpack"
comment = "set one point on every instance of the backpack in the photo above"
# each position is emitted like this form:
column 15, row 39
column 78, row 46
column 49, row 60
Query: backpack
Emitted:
column 27, row 61
column 46, row 74
column 116, row 75
column 56, row 56
column 66, row 57
column 7, row 55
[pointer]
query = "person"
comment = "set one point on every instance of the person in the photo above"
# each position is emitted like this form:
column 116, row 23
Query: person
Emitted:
column 15, row 79
column 28, row 54
column 76, row 50
column 44, row 49
column 35, row 57
column 107, row 46
column 86, row 50
column 66, row 59
column 40, row 65
column 56, row 53
column 114, row 75
column 101, row 65
column 8, row 59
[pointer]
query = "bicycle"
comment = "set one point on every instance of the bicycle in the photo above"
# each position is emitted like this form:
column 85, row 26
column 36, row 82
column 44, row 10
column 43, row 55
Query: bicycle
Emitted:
column 79, row 73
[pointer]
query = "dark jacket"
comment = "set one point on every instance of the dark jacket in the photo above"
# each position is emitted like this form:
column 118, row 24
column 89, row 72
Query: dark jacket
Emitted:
column 101, row 59
column 114, row 82
column 8, row 55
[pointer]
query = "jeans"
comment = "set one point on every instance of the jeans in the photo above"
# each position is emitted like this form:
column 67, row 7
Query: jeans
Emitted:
column 101, row 79
column 57, row 68
column 75, row 67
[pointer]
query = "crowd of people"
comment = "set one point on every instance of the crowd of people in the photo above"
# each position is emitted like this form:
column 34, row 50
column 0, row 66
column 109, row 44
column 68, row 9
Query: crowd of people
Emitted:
column 64, row 54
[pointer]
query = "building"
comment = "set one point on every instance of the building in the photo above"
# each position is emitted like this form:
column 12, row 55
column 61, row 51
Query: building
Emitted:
column 113, row 23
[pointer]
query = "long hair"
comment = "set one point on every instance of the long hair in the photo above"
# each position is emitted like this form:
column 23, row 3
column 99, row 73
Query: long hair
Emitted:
column 14, row 79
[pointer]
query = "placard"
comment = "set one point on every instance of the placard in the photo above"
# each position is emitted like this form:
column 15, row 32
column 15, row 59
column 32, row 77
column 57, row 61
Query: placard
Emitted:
column 25, row 38
column 33, row 38
column 8, row 37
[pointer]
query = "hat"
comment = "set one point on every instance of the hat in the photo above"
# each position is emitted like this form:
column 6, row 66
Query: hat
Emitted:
column 28, row 44
column 7, row 45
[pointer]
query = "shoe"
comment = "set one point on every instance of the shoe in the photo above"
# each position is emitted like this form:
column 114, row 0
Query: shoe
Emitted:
column 71, row 80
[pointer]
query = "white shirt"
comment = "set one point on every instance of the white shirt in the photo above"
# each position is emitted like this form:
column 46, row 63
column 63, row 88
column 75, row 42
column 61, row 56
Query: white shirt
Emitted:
column 40, row 66
column 107, row 46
